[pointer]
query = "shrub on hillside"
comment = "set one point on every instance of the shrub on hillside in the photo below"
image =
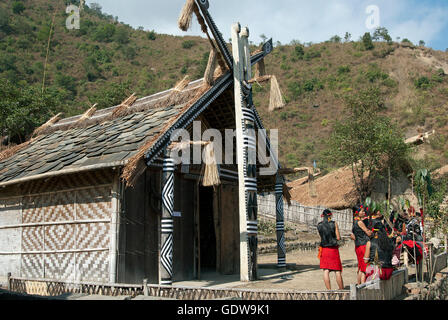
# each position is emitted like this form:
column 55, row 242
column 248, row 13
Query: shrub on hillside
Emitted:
column 188, row 44
column 104, row 33
column 152, row 35
column 367, row 41
column 18, row 7
column 122, row 35
column 422, row 83
column 311, row 54
column 299, row 51
column 343, row 70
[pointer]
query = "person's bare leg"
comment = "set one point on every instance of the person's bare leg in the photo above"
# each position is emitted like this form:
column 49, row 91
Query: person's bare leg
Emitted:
column 327, row 279
column 339, row 280
column 359, row 277
column 363, row 277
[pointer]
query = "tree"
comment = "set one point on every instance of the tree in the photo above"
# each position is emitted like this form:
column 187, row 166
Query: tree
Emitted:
column 366, row 140
column 347, row 37
column 104, row 33
column 335, row 39
column 152, row 35
column 421, row 43
column 111, row 95
column 23, row 108
column 382, row 33
column 367, row 41
column 122, row 35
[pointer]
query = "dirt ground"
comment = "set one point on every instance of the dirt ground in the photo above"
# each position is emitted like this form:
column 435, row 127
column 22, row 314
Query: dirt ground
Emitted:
column 302, row 274
column 303, row 271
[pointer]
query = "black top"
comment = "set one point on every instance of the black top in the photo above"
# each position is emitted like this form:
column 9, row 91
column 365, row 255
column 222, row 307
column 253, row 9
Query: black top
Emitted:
column 384, row 257
column 361, row 238
column 370, row 223
column 327, row 232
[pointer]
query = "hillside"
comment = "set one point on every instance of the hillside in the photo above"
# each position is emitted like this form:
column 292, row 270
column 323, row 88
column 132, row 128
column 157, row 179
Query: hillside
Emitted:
column 105, row 61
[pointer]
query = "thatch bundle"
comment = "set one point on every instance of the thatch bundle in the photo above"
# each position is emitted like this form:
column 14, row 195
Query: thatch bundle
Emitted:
column 210, row 176
column 209, row 172
column 211, row 68
column 89, row 113
column 47, row 124
column 276, row 100
column 186, row 15
column 124, row 106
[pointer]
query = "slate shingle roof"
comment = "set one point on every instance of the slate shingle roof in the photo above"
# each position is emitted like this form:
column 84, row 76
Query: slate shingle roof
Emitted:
column 105, row 142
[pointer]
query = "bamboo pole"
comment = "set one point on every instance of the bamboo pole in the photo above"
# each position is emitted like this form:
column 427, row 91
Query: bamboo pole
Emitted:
column 114, row 229
column 48, row 51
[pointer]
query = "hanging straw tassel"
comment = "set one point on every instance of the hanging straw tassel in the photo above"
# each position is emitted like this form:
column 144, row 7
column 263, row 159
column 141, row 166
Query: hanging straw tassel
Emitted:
column 211, row 66
column 211, row 173
column 186, row 15
column 276, row 100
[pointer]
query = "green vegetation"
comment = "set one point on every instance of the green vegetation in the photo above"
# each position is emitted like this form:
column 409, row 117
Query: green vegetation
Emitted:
column 367, row 41
column 367, row 140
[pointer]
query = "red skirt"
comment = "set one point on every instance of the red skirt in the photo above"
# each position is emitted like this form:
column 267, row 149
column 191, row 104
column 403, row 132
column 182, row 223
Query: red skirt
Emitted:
column 360, row 251
column 384, row 273
column 330, row 259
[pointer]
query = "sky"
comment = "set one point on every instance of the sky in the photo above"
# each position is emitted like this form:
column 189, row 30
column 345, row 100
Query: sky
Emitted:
column 307, row 21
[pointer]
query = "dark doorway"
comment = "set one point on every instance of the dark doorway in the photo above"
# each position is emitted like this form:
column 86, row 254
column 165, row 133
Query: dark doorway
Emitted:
column 207, row 231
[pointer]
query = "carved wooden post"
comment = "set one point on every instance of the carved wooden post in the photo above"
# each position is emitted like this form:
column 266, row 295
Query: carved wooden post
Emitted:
column 246, row 153
column 167, row 225
column 280, row 217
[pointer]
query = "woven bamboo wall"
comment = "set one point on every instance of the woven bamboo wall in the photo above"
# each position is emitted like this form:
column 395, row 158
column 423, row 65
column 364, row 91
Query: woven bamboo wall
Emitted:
column 58, row 229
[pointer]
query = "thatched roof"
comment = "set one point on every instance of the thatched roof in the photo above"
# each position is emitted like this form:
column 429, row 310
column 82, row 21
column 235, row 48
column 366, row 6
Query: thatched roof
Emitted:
column 336, row 190
column 104, row 139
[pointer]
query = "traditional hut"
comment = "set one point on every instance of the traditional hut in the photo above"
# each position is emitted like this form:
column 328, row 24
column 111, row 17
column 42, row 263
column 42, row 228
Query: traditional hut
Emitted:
column 97, row 197
column 337, row 189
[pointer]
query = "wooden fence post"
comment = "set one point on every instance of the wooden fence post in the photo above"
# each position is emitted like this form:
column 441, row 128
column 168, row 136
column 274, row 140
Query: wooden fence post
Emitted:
column 145, row 287
column 353, row 289
column 9, row 281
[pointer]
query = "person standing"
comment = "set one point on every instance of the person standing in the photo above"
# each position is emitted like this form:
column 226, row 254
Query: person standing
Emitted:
column 378, row 255
column 360, row 234
column 330, row 260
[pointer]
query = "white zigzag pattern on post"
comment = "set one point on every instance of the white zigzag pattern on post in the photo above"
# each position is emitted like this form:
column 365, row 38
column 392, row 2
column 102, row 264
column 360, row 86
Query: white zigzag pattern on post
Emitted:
column 168, row 194
column 166, row 255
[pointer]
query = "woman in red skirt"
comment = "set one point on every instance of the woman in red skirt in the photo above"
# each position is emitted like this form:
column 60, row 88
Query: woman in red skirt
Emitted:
column 360, row 234
column 330, row 261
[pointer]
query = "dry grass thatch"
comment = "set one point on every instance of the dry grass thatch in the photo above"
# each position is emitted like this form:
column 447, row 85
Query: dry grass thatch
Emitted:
column 136, row 165
column 47, row 125
column 10, row 151
column 335, row 190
